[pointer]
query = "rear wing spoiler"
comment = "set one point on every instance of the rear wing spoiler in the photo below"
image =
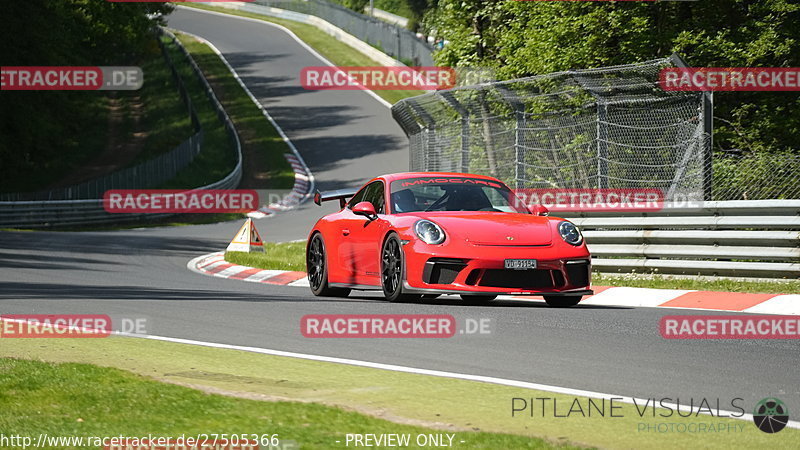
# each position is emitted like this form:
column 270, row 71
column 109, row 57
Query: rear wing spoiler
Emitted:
column 341, row 194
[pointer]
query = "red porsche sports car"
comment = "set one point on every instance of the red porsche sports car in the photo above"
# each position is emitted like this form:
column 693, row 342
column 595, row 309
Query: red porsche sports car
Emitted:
column 426, row 234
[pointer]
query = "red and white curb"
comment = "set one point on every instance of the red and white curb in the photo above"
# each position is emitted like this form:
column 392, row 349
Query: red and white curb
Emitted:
column 700, row 300
column 214, row 264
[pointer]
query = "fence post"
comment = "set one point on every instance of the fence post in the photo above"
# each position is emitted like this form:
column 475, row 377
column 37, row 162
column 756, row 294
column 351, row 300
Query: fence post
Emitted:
column 429, row 127
column 465, row 140
column 601, row 135
column 602, row 144
column 707, row 116
column 519, row 134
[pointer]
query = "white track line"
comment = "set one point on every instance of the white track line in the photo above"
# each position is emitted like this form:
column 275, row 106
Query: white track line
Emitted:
column 418, row 371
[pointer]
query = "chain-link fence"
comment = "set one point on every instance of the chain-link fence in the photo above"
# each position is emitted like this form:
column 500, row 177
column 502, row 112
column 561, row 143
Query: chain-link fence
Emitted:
column 741, row 175
column 395, row 41
column 612, row 127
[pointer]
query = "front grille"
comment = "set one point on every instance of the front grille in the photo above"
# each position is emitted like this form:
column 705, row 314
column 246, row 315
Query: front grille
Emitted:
column 472, row 278
column 578, row 274
column 442, row 270
column 519, row 279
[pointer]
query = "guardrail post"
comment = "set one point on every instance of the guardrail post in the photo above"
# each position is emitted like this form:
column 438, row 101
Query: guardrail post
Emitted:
column 708, row 129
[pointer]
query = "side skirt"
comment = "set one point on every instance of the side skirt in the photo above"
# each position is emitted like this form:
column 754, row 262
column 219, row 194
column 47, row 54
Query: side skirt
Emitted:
column 358, row 287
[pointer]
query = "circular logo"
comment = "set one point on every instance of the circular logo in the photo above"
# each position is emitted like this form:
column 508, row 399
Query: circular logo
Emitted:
column 771, row 415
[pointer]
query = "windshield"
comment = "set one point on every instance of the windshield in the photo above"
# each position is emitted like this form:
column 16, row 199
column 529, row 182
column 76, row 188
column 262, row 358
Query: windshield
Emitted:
column 453, row 194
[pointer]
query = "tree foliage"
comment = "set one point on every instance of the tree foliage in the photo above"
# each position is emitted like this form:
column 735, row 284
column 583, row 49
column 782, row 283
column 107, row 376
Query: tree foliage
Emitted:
column 522, row 38
column 38, row 127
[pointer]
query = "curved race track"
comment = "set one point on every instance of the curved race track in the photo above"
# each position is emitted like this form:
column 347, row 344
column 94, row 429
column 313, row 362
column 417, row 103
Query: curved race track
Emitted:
column 346, row 137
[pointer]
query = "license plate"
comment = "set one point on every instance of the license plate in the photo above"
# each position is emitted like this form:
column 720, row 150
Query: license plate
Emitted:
column 520, row 264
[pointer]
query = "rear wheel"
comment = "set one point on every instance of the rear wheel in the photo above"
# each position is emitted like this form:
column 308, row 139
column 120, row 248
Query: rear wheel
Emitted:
column 557, row 301
column 392, row 271
column 477, row 299
column 317, row 268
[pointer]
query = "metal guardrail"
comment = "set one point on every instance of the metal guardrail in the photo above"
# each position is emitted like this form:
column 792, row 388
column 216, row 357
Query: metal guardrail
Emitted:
column 58, row 213
column 728, row 238
column 152, row 172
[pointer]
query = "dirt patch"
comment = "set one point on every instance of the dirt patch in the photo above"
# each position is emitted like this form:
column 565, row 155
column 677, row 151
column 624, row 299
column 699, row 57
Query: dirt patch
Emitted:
column 373, row 412
column 125, row 141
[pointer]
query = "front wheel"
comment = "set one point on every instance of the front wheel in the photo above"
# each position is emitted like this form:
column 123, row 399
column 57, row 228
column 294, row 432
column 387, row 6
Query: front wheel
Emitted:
column 470, row 299
column 392, row 271
column 317, row 268
column 557, row 301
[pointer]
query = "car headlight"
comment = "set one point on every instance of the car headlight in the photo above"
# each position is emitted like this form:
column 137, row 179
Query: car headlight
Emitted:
column 429, row 232
column 570, row 233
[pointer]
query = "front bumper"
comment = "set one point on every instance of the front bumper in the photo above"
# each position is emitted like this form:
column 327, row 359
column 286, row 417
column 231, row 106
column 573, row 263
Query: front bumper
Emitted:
column 559, row 271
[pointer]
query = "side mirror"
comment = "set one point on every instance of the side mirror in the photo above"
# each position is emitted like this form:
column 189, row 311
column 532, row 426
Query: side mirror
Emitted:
column 539, row 210
column 365, row 209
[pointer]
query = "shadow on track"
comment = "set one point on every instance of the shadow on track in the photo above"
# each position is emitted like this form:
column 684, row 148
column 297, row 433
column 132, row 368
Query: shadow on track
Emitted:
column 56, row 291
column 50, row 262
column 493, row 304
column 101, row 243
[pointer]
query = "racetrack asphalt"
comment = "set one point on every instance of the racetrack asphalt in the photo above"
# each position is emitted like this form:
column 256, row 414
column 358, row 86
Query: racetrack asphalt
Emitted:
column 345, row 138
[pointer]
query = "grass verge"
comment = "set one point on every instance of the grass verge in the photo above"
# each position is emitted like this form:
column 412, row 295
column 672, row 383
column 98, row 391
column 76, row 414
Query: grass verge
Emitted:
column 336, row 52
column 47, row 398
column 278, row 256
column 72, row 399
column 702, row 284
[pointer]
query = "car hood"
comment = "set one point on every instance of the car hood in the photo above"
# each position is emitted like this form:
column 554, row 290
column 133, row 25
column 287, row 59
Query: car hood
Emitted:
column 494, row 228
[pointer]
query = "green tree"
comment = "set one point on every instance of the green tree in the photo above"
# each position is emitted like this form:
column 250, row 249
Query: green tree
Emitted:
column 518, row 38
column 38, row 127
